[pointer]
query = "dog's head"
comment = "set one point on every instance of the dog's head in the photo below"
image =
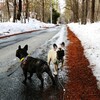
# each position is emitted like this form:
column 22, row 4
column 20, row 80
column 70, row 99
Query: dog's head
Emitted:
column 22, row 52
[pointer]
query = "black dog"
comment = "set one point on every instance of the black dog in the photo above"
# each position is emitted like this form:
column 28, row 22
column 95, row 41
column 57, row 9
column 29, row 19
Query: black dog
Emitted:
column 33, row 65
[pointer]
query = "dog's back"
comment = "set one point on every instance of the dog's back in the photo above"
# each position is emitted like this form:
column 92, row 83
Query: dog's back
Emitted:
column 35, row 65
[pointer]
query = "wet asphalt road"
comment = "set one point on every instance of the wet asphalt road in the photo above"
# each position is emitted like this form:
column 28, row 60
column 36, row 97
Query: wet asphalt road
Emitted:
column 12, row 88
column 17, row 38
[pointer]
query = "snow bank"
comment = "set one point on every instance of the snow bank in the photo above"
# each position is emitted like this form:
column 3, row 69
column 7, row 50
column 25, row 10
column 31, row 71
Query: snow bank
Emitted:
column 89, row 35
column 8, row 28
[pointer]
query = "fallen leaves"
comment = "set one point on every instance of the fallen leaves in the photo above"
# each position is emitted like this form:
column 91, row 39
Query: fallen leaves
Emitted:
column 82, row 85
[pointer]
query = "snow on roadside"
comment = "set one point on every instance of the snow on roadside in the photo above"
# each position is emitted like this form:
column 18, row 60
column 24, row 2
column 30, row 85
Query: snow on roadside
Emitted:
column 8, row 28
column 89, row 35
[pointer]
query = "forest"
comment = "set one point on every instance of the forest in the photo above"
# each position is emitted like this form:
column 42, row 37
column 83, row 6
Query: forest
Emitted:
column 45, row 10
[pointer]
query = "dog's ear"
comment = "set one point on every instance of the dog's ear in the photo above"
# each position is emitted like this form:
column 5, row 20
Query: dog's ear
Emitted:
column 26, row 47
column 19, row 47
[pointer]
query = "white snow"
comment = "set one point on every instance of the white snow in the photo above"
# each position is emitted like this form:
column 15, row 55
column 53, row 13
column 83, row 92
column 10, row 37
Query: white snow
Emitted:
column 89, row 35
column 8, row 28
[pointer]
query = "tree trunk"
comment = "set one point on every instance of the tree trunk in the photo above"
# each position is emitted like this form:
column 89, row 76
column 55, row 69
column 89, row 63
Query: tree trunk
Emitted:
column 19, row 10
column 92, row 11
column 43, row 10
column 98, row 9
column 14, row 13
column 76, row 6
column 27, row 7
column 7, row 3
column 82, row 18
column 86, row 13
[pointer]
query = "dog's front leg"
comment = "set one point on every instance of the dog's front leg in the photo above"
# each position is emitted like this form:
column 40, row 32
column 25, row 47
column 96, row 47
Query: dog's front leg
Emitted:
column 31, row 74
column 51, row 76
column 25, row 75
column 40, row 77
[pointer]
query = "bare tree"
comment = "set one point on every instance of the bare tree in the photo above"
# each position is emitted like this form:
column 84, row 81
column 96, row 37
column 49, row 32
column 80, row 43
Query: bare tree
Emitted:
column 97, row 17
column 83, row 9
column 14, row 13
column 92, row 11
column 87, row 3
column 43, row 10
column 7, row 3
column 74, row 7
column 27, row 9
column 19, row 10
column 82, row 18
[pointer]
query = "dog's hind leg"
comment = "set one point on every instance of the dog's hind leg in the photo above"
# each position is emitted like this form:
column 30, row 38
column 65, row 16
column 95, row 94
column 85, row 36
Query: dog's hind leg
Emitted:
column 42, row 81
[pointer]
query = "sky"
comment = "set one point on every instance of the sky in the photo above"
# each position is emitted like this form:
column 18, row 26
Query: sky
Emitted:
column 62, row 5
column 1, row 0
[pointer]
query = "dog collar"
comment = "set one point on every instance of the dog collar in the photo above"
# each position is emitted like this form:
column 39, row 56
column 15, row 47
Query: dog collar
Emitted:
column 22, row 59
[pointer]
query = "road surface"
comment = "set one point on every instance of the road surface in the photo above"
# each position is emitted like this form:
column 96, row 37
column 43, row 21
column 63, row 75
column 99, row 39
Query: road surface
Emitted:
column 8, row 46
column 11, row 86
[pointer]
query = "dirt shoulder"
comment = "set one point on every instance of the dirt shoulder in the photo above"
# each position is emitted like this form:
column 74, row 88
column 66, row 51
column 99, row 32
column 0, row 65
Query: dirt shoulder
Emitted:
column 82, row 85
